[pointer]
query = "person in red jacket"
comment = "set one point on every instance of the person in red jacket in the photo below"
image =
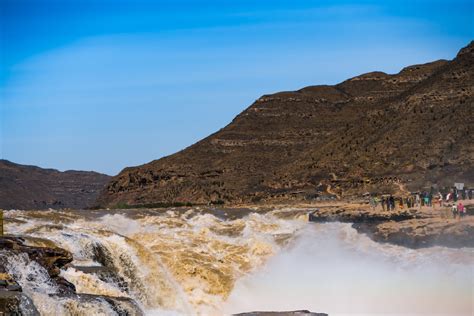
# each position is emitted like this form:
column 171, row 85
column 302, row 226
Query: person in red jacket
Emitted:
column 461, row 209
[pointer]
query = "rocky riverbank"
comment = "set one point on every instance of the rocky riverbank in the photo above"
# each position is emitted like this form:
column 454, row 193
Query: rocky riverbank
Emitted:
column 290, row 313
column 14, row 300
column 413, row 228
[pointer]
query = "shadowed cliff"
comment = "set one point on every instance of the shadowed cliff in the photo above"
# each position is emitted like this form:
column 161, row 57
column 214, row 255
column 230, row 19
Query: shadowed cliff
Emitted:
column 30, row 187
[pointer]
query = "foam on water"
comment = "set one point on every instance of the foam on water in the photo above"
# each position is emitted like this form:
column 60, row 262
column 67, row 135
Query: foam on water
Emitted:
column 192, row 262
column 333, row 269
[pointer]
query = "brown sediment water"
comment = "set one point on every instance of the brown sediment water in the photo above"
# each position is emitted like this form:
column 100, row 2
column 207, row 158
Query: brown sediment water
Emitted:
column 200, row 261
column 185, row 260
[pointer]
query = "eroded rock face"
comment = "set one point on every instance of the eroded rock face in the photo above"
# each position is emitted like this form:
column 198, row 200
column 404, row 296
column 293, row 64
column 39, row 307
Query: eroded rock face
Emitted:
column 106, row 274
column 375, row 132
column 427, row 232
column 12, row 300
column 122, row 306
column 413, row 228
column 291, row 313
column 30, row 187
column 16, row 303
column 52, row 259
column 362, row 215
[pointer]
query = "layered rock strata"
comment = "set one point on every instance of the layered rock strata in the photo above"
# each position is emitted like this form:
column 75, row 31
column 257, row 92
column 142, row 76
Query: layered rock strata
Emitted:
column 375, row 132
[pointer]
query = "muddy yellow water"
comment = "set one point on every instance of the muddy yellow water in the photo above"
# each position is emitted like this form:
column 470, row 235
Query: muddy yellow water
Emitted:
column 193, row 261
column 184, row 260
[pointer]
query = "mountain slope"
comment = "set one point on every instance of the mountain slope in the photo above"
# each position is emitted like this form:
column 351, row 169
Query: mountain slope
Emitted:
column 30, row 187
column 374, row 132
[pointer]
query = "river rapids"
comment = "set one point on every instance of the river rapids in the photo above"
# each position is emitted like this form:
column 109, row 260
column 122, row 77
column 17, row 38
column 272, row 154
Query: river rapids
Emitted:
column 199, row 261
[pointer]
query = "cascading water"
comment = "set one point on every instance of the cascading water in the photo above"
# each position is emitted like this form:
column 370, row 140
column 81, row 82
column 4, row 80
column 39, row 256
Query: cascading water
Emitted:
column 184, row 261
column 196, row 261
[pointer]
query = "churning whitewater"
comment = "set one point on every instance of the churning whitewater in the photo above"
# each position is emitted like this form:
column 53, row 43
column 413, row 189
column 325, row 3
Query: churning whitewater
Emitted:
column 213, row 262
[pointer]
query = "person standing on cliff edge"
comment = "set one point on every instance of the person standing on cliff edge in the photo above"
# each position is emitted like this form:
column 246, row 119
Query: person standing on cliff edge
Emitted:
column 454, row 209
column 391, row 203
column 461, row 210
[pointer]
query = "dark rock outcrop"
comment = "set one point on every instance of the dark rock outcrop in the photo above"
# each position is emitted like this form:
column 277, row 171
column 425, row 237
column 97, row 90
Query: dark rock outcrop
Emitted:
column 361, row 215
column 291, row 313
column 106, row 274
column 413, row 228
column 51, row 259
column 30, row 187
column 375, row 132
column 12, row 300
column 16, row 303
column 454, row 233
column 8, row 284
column 122, row 306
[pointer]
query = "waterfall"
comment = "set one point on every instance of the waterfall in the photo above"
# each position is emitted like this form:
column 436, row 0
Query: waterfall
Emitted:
column 180, row 261
column 196, row 261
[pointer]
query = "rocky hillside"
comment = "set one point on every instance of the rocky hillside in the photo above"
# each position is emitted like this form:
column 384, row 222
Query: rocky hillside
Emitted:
column 373, row 132
column 30, row 187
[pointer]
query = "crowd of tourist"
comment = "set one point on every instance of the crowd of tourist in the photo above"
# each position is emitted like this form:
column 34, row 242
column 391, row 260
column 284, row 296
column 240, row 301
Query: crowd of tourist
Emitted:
column 450, row 198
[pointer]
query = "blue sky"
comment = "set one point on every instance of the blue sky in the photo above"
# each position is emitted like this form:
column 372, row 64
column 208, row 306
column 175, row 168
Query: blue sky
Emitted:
column 101, row 85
